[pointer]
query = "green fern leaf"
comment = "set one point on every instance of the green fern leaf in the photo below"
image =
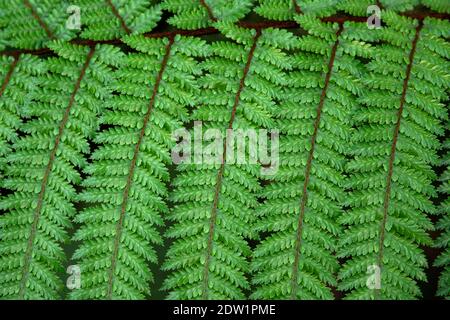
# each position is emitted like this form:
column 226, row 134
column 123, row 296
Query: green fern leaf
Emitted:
column 42, row 170
column 32, row 24
column 214, row 202
column 126, row 183
column 394, row 147
column 18, row 76
column 443, row 240
column 303, row 201
column 111, row 19
column 196, row 14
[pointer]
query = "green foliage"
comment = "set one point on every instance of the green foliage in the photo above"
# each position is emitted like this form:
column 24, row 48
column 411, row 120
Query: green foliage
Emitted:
column 191, row 14
column 101, row 23
column 18, row 78
column 303, row 200
column 286, row 9
column 42, row 170
column 214, row 202
column 276, row 9
column 126, row 180
column 88, row 129
column 437, row 5
column 20, row 29
column 394, row 147
column 399, row 5
column 444, row 225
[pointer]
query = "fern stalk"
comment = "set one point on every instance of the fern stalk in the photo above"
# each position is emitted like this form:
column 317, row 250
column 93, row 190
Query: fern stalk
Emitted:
column 386, row 240
column 304, row 196
column 48, row 170
column 387, row 194
column 218, row 187
column 132, row 168
column 119, row 229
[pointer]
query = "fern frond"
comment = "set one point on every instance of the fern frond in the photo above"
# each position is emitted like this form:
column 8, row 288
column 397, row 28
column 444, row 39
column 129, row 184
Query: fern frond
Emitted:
column 303, row 201
column 195, row 14
column 126, row 183
column 399, row 5
column 110, row 19
column 18, row 83
column 443, row 241
column 437, row 5
column 286, row 9
column 32, row 24
column 394, row 147
column 276, row 9
column 215, row 202
column 42, row 170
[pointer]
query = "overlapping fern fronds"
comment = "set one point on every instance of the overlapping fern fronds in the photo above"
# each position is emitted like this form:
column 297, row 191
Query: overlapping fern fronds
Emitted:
column 32, row 24
column 18, row 83
column 305, row 198
column 94, row 95
column 111, row 19
column 394, row 147
column 126, row 182
column 444, row 225
column 195, row 14
column 215, row 202
column 42, row 171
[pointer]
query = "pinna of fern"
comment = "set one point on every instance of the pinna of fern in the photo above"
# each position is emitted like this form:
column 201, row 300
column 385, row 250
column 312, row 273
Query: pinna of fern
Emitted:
column 393, row 148
column 42, row 170
column 126, row 182
column 288, row 9
column 31, row 24
column 111, row 19
column 215, row 201
column 442, row 6
column 443, row 241
column 18, row 82
column 195, row 14
column 304, row 199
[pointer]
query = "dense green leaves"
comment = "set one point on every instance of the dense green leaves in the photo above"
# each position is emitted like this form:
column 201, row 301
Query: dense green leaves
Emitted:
column 304, row 200
column 110, row 19
column 195, row 14
column 340, row 128
column 443, row 240
column 126, row 182
column 18, row 78
column 20, row 27
column 393, row 148
column 42, row 171
column 215, row 201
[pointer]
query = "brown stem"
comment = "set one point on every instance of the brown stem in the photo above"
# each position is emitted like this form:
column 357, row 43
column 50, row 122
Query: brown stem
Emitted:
column 133, row 167
column 296, row 7
column 48, row 170
column 219, row 180
column 387, row 195
column 118, row 16
column 38, row 19
column 9, row 74
column 298, row 240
